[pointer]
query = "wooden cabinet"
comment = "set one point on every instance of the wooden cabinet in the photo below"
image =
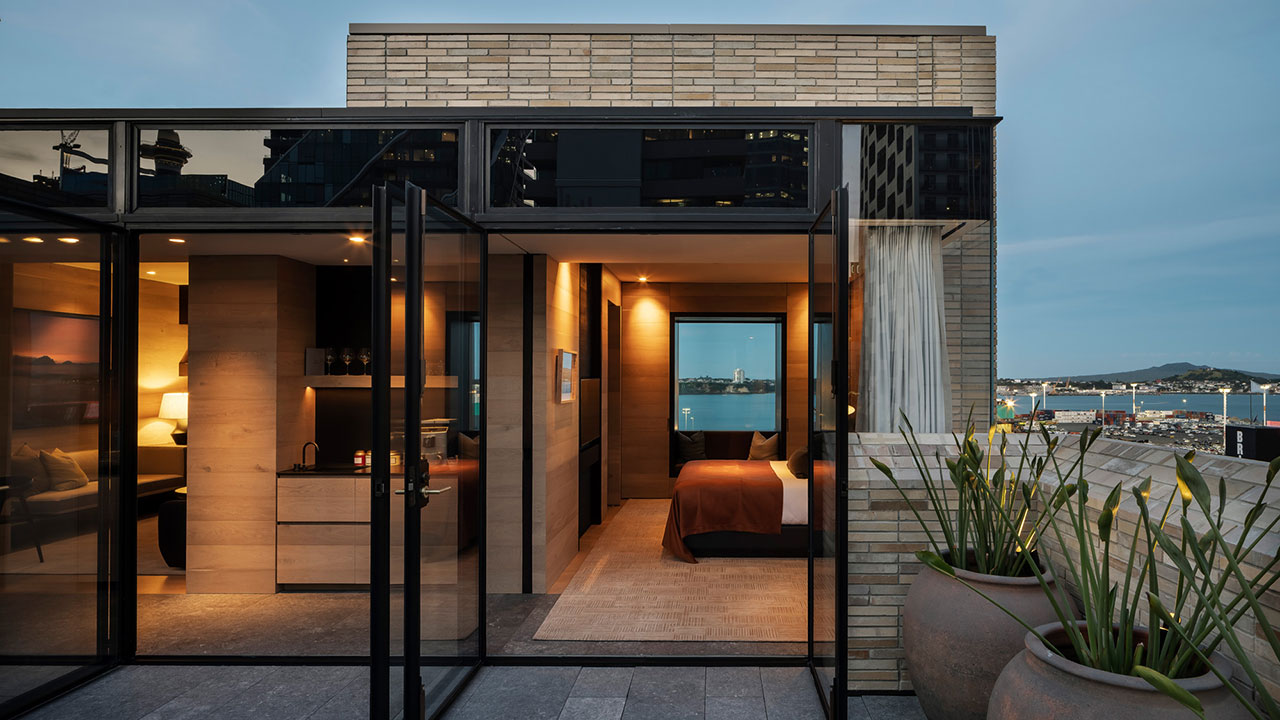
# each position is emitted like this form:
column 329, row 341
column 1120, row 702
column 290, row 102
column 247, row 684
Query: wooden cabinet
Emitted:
column 322, row 530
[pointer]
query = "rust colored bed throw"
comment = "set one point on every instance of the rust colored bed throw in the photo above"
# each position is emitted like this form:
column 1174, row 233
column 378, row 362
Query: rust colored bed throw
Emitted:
column 722, row 495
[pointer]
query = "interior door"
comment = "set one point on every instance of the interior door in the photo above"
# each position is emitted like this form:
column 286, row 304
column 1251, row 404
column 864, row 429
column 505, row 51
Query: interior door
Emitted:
column 430, row 289
column 829, row 409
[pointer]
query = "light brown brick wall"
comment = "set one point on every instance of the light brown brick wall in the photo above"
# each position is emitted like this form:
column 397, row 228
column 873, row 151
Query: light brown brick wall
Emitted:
column 508, row 69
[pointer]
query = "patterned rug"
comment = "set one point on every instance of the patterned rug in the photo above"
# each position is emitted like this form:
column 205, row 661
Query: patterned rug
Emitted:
column 629, row 589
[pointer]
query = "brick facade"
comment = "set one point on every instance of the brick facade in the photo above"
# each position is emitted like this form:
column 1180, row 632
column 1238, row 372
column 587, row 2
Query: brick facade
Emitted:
column 670, row 65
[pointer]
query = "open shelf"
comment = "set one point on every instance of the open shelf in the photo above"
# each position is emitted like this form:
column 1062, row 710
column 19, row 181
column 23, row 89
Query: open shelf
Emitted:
column 364, row 381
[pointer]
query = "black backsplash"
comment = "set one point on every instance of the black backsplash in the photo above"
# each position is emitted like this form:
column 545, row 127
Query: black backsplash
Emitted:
column 344, row 424
column 343, row 308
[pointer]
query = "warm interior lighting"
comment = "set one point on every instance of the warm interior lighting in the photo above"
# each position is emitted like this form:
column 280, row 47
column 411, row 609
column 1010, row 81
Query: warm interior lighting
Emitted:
column 32, row 240
column 173, row 406
column 69, row 240
column 356, row 238
column 4, row 240
column 345, row 260
column 643, row 278
column 151, row 272
column 177, row 240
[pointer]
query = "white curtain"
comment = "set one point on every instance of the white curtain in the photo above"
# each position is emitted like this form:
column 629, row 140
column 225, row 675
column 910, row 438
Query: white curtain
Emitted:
column 905, row 368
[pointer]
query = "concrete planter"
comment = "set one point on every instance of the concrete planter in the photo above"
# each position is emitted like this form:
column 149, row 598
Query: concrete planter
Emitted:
column 956, row 643
column 1042, row 683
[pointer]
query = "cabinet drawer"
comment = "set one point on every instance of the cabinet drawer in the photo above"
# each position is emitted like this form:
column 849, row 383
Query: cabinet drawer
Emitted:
column 321, row 554
column 316, row 499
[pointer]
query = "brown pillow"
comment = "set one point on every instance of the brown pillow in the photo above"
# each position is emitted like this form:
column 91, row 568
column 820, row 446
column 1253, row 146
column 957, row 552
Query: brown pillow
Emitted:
column 25, row 462
column 64, row 471
column 762, row 449
column 691, row 446
column 798, row 463
column 468, row 447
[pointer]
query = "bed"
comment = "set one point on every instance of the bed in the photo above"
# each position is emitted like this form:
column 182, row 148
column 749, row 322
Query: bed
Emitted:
column 749, row 508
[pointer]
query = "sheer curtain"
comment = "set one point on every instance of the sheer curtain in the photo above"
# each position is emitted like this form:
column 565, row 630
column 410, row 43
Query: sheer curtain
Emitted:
column 904, row 338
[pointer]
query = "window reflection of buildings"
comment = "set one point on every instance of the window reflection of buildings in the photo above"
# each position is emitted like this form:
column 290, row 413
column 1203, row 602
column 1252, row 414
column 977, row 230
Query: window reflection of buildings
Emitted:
column 307, row 168
column 925, row 172
column 670, row 167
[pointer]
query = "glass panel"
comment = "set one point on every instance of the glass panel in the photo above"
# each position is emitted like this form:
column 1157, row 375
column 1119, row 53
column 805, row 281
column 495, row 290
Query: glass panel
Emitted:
column 57, row 486
column 663, row 167
column 925, row 172
column 261, row 334
column 55, row 168
column 826, row 446
column 449, row 453
column 290, row 167
column 728, row 373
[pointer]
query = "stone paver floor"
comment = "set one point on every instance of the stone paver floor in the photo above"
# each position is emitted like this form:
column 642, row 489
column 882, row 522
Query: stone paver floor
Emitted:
column 553, row 693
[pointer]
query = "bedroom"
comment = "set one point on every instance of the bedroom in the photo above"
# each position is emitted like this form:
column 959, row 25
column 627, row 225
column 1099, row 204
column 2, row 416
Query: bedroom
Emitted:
column 691, row 378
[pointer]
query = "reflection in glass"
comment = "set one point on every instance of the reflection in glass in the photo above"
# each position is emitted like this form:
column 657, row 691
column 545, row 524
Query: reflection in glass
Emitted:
column 55, row 168
column 53, row 487
column 291, row 167
column 669, row 167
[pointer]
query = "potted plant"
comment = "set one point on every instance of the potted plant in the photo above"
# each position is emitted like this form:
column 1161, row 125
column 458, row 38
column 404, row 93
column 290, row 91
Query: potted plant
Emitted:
column 956, row 644
column 1109, row 664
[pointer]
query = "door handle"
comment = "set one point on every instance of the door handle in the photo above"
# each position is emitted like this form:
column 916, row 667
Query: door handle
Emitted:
column 426, row 492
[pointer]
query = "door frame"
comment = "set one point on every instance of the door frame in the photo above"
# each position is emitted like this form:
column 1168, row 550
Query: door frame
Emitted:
column 416, row 202
column 834, row 699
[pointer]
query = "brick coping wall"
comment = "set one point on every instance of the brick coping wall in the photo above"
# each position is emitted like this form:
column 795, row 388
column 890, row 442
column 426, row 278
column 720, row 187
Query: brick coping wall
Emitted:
column 884, row 535
column 417, row 65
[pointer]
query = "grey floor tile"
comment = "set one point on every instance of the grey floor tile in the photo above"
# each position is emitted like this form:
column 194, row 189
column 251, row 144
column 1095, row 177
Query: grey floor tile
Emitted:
column 289, row 693
column 893, row 707
column 593, row 708
column 668, row 684
column 857, row 709
column 603, row 682
column 734, row 682
column 220, row 687
column 735, row 708
column 518, row 692
column 640, row 709
column 789, row 694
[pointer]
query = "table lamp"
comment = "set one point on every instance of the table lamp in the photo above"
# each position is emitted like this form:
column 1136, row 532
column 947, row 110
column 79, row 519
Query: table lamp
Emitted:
column 173, row 406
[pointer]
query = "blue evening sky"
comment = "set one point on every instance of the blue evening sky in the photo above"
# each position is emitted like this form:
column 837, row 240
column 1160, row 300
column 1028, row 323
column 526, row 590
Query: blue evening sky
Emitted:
column 1138, row 170
column 717, row 349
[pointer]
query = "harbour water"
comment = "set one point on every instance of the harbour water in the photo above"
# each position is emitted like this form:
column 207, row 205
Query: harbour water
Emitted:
column 757, row 411
column 1245, row 406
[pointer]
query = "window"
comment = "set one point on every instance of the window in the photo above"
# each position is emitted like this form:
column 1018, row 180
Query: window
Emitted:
column 727, row 373
column 636, row 167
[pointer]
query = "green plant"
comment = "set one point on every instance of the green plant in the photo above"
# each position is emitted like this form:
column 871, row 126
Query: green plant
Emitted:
column 1178, row 643
column 985, row 515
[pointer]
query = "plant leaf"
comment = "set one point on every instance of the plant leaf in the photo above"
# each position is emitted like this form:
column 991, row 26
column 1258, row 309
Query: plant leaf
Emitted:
column 882, row 468
column 1272, row 470
column 1108, row 515
column 1192, row 485
column 935, row 561
column 1162, row 683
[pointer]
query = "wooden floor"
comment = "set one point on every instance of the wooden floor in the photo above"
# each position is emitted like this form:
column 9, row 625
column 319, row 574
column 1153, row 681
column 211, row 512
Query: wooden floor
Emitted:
column 627, row 589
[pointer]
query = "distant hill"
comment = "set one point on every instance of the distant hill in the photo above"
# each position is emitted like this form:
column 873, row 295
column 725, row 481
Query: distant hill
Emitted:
column 1180, row 370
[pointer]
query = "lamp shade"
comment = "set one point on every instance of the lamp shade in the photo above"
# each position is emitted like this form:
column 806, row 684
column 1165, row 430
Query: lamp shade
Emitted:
column 173, row 406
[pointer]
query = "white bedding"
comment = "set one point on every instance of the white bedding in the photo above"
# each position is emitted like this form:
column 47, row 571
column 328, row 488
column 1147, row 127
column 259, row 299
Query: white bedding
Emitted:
column 795, row 494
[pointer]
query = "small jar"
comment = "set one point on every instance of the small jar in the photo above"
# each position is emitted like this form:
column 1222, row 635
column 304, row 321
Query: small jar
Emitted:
column 360, row 458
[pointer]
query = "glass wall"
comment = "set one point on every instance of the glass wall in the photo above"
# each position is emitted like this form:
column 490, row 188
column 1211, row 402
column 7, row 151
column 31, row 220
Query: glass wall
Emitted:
column 636, row 167
column 57, row 487
column 290, row 167
column 55, row 168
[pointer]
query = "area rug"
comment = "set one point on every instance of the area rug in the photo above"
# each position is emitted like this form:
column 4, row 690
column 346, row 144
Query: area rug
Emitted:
column 627, row 589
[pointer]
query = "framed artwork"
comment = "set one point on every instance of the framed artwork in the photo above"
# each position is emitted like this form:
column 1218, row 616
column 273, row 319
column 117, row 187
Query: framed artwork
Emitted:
column 566, row 370
column 54, row 369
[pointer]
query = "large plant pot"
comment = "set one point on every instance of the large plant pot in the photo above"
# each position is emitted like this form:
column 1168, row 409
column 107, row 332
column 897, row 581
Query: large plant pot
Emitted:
column 1042, row 683
column 957, row 643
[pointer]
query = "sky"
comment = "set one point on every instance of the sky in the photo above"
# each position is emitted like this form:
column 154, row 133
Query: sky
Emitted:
column 1138, row 160
column 717, row 349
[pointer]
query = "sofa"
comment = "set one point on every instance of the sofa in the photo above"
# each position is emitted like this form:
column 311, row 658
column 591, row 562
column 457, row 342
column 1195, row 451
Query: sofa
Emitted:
column 161, row 468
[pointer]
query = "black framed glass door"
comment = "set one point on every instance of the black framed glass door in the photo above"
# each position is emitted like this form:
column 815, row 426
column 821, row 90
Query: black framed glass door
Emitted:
column 428, row 521
column 829, row 409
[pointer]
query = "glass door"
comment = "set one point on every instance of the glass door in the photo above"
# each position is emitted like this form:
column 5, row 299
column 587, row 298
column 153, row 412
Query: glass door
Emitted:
column 829, row 409
column 429, row 321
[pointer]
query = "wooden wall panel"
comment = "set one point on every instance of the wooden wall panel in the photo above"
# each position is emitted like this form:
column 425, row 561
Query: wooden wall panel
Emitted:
column 611, row 400
column 504, row 429
column 561, row 424
column 161, row 344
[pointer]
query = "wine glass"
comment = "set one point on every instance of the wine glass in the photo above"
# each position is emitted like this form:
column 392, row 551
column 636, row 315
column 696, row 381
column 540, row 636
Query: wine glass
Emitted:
column 329, row 357
column 364, row 358
column 347, row 357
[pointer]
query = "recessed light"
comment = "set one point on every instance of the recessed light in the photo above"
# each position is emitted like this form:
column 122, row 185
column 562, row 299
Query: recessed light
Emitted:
column 4, row 240
column 643, row 278
column 151, row 272
column 69, row 240
column 177, row 240
column 32, row 240
column 356, row 238
column 345, row 260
